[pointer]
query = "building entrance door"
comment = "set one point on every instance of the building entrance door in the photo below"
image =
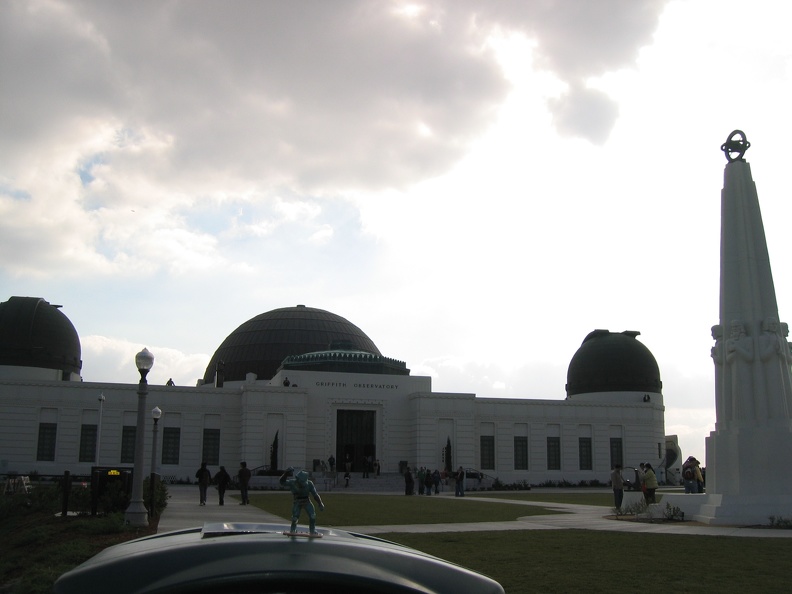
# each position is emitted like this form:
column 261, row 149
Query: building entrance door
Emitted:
column 355, row 439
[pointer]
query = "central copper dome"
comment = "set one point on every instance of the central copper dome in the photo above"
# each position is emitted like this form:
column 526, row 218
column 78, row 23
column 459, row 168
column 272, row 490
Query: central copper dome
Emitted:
column 262, row 343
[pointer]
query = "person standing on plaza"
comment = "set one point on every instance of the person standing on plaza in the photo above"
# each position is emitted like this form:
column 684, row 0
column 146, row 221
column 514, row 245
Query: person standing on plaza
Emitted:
column 244, row 481
column 222, row 478
column 699, row 477
column 617, row 483
column 409, row 483
column 428, row 482
column 459, row 477
column 689, row 475
column 650, row 480
column 204, row 479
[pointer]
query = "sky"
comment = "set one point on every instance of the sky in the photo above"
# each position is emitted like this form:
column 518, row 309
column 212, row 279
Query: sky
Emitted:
column 477, row 186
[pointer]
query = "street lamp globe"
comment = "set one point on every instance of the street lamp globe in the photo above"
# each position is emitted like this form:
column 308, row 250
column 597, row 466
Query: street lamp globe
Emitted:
column 144, row 361
column 156, row 413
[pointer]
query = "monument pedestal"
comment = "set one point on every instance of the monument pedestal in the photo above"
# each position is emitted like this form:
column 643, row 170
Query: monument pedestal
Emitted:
column 747, row 478
column 731, row 510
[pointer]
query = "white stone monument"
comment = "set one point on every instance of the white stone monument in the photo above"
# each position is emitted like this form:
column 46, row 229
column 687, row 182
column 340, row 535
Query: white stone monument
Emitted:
column 747, row 480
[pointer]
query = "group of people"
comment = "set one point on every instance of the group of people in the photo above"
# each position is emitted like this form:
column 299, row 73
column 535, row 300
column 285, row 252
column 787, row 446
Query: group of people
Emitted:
column 369, row 465
column 692, row 478
column 429, row 481
column 646, row 477
column 222, row 479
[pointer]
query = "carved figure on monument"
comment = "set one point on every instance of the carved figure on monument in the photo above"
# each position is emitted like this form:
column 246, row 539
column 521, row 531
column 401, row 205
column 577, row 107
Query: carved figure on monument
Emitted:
column 739, row 355
column 786, row 352
column 717, row 356
column 775, row 356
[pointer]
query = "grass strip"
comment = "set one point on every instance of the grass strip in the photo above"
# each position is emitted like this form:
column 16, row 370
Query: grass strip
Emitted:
column 344, row 509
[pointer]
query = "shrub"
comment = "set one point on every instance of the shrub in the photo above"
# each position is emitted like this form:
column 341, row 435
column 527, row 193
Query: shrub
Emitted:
column 673, row 513
column 631, row 510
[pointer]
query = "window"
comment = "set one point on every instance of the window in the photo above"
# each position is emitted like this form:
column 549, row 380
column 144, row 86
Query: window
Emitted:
column 46, row 442
column 616, row 451
column 520, row 453
column 171, row 437
column 553, row 453
column 211, row 447
column 584, row 452
column 487, row 452
column 88, row 443
column 128, row 444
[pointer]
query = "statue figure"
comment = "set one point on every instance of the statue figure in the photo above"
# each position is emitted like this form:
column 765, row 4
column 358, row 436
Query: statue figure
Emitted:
column 739, row 355
column 717, row 357
column 302, row 489
column 786, row 362
column 775, row 356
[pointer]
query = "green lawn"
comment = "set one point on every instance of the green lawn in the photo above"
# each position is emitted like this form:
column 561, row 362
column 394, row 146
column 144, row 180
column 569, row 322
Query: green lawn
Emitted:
column 377, row 510
column 36, row 547
column 589, row 561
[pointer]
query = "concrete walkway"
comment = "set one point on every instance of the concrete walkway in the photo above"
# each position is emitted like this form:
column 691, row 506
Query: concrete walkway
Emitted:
column 183, row 511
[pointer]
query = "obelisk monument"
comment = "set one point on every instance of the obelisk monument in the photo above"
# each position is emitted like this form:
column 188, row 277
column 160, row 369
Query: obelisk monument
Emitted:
column 746, row 480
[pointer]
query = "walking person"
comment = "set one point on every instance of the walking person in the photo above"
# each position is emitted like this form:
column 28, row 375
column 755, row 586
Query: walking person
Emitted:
column 204, row 479
column 244, row 481
column 222, row 478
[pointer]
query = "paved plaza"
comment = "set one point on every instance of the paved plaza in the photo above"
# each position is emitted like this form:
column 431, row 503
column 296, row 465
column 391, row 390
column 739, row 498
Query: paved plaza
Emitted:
column 183, row 511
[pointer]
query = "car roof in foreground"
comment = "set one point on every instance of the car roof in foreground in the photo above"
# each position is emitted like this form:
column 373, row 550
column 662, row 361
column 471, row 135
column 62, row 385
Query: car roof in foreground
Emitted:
column 247, row 557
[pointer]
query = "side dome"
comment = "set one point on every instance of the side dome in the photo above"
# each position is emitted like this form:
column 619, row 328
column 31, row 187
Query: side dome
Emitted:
column 34, row 333
column 613, row 362
column 262, row 343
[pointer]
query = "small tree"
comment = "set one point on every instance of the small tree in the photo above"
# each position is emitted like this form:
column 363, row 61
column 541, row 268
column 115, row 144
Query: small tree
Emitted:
column 448, row 464
column 274, row 453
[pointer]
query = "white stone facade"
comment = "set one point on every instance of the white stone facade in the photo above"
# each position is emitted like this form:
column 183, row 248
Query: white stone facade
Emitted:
column 514, row 440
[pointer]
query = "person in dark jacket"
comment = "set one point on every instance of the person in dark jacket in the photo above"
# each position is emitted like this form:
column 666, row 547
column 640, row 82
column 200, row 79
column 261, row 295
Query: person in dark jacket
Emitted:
column 204, row 480
column 222, row 478
column 409, row 483
column 244, row 479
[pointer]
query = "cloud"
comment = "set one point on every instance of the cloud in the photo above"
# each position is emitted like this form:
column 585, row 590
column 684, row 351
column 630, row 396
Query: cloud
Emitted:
column 113, row 360
column 586, row 113
column 121, row 120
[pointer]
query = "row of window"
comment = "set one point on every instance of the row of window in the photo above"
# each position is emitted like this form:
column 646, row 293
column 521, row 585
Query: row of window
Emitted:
column 171, row 442
column 585, row 452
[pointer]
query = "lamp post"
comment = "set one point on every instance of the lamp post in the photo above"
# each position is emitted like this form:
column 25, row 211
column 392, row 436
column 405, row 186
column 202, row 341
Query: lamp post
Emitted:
column 156, row 413
column 99, row 428
column 136, row 514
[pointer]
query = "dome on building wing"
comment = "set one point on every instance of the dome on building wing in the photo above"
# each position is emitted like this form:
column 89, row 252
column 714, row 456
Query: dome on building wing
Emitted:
column 34, row 333
column 613, row 362
column 262, row 343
